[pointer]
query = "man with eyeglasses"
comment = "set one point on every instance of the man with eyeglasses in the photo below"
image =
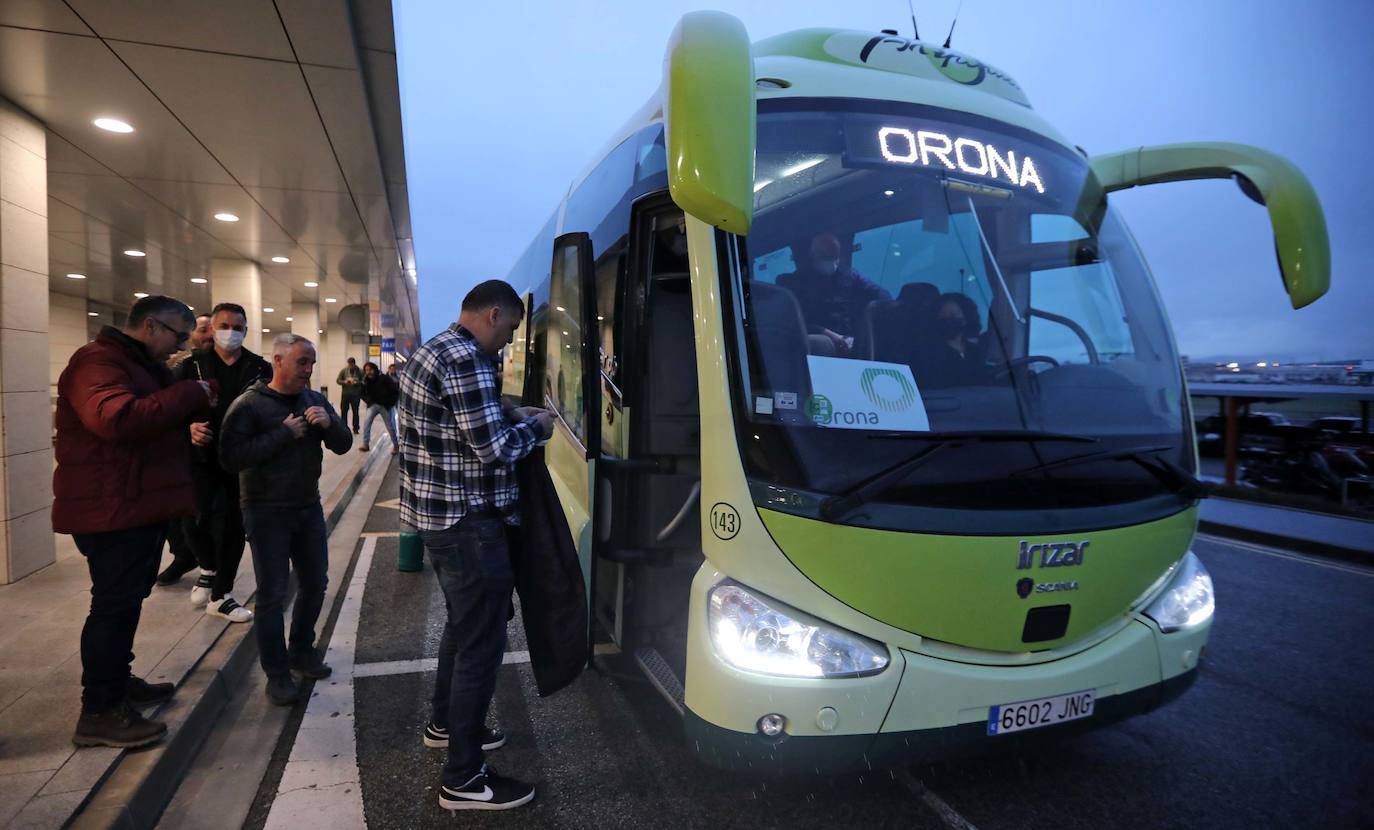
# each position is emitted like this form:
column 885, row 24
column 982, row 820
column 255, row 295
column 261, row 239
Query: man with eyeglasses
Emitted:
column 123, row 471
column 216, row 535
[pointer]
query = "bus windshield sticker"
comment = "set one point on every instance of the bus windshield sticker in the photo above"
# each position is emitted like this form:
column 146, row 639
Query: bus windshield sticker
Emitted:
column 785, row 400
column 865, row 394
column 763, row 406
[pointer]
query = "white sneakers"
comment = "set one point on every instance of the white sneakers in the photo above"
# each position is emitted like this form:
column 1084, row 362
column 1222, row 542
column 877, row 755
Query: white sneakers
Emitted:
column 200, row 594
column 226, row 607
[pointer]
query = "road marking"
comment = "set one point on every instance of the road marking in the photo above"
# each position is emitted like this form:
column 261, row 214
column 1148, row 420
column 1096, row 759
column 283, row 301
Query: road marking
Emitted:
column 1283, row 554
column 938, row 805
column 320, row 786
column 384, row 668
column 379, row 534
column 392, row 504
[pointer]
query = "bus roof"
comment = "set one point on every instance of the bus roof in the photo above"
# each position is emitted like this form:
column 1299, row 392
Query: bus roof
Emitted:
column 846, row 63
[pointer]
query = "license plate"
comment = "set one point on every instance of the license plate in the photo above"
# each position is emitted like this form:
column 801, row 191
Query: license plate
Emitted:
column 1033, row 714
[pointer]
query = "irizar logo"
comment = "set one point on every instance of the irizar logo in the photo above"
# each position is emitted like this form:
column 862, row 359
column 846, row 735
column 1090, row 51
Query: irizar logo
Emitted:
column 888, row 389
column 1051, row 555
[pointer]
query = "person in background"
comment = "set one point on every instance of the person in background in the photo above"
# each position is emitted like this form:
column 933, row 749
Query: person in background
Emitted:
column 350, row 382
column 380, row 395
column 183, row 556
column 123, row 471
column 832, row 295
column 217, row 535
column 459, row 491
column 273, row 437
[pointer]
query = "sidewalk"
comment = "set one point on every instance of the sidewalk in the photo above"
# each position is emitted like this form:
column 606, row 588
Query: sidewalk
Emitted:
column 44, row 779
column 1303, row 530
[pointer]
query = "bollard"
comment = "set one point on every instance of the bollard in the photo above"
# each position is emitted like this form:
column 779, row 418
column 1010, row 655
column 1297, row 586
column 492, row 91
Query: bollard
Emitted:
column 411, row 556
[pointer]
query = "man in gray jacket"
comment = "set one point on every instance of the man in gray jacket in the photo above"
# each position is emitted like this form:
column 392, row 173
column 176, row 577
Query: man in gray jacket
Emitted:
column 272, row 436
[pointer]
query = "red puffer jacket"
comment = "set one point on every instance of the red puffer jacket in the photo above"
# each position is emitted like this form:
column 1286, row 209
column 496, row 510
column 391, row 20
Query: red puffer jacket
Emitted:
column 123, row 443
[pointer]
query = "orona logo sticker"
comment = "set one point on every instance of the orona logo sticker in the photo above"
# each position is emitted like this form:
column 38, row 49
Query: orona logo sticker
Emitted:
column 888, row 389
column 819, row 409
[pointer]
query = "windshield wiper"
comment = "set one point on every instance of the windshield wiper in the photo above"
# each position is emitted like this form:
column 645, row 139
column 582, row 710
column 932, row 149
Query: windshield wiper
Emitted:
column 1169, row 474
column 839, row 504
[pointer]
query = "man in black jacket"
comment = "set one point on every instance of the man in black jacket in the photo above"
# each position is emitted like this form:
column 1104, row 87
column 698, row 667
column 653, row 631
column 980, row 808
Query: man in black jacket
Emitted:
column 216, row 534
column 380, row 394
column 272, row 438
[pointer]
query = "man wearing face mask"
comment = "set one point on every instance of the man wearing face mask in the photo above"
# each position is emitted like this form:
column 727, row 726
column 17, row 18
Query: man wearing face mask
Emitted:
column 217, row 535
column 832, row 296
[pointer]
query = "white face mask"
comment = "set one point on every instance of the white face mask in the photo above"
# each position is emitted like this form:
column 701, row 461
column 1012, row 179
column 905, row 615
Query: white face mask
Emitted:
column 228, row 339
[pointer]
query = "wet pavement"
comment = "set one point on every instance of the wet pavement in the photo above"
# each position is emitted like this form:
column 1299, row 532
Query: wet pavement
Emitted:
column 1274, row 733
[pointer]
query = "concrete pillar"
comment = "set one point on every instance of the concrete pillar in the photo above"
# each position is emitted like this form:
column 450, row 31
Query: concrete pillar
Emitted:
column 305, row 321
column 26, row 454
column 332, row 357
column 239, row 281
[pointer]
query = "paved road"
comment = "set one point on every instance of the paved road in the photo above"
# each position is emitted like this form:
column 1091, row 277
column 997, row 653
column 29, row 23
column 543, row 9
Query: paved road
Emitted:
column 1277, row 732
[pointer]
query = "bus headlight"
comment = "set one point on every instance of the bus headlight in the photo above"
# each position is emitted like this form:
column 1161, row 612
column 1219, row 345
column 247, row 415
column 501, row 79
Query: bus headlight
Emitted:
column 1188, row 601
column 752, row 633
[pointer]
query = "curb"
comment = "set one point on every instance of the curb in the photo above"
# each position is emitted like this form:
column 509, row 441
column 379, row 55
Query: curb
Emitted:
column 1325, row 550
column 140, row 783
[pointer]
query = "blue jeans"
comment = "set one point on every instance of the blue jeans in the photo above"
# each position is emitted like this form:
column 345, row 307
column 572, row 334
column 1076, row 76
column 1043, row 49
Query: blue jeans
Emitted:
column 388, row 416
column 123, row 565
column 472, row 561
column 281, row 539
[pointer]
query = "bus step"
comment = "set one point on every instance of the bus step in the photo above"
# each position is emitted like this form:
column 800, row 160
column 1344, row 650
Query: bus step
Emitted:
column 661, row 675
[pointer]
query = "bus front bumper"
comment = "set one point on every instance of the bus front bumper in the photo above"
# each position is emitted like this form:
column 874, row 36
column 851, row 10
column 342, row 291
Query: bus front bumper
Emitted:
column 795, row 754
column 939, row 708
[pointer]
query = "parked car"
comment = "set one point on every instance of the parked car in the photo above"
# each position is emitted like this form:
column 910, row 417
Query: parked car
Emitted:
column 1256, row 433
column 1342, row 424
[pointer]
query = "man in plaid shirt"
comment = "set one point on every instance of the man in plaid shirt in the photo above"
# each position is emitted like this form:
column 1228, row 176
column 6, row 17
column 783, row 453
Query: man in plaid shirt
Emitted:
column 459, row 491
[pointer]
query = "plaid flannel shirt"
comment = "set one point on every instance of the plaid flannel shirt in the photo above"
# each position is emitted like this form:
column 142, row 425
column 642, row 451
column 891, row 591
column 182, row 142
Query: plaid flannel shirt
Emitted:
column 458, row 449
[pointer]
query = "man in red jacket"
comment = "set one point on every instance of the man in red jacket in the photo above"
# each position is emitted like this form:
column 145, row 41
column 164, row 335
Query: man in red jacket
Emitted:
column 123, row 471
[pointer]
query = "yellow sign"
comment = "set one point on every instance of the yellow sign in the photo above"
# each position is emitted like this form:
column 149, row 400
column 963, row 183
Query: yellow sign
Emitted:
column 375, row 350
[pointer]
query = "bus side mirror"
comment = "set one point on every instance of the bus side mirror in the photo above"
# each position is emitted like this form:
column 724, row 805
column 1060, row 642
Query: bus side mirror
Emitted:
column 708, row 113
column 1300, row 239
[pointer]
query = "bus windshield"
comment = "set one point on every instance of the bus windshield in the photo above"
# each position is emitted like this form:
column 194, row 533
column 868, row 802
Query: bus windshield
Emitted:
column 915, row 274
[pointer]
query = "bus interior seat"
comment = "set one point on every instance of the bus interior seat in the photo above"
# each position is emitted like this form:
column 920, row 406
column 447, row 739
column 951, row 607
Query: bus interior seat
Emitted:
column 783, row 342
column 896, row 327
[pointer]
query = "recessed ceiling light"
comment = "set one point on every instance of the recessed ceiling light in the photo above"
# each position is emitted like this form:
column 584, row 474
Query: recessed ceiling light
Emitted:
column 312, row 285
column 193, row 308
column 140, row 294
column 330, row 300
column 93, row 314
column 113, row 125
column 290, row 319
column 888, row 192
column 134, row 252
column 320, row 331
column 199, row 280
column 266, row 331
column 269, row 310
column 76, row 276
column 281, row 259
column 226, row 217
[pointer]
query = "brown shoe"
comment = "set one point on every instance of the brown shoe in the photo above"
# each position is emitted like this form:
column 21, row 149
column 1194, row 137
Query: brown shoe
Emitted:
column 120, row 725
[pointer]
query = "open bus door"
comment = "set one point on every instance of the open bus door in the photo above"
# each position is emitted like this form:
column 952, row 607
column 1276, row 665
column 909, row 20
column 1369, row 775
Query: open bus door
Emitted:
column 646, row 514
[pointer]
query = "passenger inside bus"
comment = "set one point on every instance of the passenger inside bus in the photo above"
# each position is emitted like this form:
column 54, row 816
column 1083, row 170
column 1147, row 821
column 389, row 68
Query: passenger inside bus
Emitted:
column 955, row 354
column 831, row 294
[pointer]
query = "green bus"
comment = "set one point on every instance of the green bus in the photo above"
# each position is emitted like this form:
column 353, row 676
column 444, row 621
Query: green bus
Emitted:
column 872, row 432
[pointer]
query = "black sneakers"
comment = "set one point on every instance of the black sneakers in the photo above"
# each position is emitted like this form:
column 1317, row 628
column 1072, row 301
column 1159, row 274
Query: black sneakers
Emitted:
column 120, row 726
column 283, row 691
column 140, row 692
column 436, row 737
column 309, row 664
column 486, row 791
column 173, row 573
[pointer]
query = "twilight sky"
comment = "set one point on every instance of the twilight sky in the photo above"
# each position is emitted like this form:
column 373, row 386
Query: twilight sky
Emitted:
column 504, row 103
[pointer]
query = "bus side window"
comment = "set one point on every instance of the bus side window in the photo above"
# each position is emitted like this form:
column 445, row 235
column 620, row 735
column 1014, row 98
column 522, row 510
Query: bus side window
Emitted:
column 563, row 362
